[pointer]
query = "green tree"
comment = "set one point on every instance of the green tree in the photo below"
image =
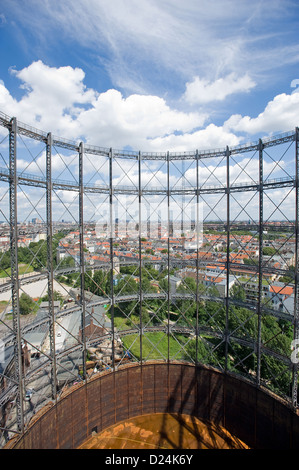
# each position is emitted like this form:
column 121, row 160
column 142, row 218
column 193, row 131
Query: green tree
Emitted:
column 67, row 261
column 126, row 285
column 163, row 284
column 237, row 292
column 26, row 304
column 188, row 285
column 56, row 296
column 269, row 251
column 146, row 285
column 100, row 282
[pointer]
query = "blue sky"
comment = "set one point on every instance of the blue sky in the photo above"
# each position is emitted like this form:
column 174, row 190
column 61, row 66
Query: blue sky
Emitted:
column 151, row 74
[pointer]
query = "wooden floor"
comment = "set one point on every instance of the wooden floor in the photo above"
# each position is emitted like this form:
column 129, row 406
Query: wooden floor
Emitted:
column 163, row 431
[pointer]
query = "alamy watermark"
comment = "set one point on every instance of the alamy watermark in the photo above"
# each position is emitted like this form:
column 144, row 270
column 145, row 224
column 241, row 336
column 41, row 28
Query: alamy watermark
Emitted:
column 295, row 351
column 2, row 352
column 156, row 221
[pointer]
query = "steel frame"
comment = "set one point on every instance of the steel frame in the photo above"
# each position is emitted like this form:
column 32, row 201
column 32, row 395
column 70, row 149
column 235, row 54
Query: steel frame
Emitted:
column 14, row 179
column 50, row 264
column 14, row 273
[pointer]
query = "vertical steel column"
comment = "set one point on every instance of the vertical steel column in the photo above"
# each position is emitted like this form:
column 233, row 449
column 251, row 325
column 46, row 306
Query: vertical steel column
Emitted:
column 116, row 221
column 111, row 253
column 159, row 225
column 140, row 260
column 197, row 259
column 82, row 262
column 127, row 220
column 14, row 273
column 148, row 220
column 296, row 280
column 226, row 334
column 260, row 265
column 168, row 260
column 183, row 206
column 51, row 313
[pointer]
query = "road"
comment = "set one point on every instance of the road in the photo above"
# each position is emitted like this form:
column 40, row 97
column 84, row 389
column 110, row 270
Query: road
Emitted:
column 37, row 289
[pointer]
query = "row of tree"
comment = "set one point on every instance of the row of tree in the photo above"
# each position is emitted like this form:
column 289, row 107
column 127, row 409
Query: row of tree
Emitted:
column 35, row 254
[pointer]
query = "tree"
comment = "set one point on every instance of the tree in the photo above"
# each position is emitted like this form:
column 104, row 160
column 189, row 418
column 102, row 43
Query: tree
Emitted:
column 100, row 281
column 5, row 260
column 269, row 251
column 146, row 285
column 237, row 292
column 163, row 284
column 26, row 304
column 127, row 285
column 67, row 261
column 188, row 285
column 56, row 296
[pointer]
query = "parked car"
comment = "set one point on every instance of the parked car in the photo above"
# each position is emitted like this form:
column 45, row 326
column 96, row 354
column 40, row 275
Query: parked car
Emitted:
column 28, row 395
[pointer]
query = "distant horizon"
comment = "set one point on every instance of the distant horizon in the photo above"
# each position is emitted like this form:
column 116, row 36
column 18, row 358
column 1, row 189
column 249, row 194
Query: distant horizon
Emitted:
column 241, row 221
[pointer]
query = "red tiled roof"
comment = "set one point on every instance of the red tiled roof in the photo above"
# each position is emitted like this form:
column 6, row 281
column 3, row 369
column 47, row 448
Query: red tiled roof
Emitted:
column 287, row 290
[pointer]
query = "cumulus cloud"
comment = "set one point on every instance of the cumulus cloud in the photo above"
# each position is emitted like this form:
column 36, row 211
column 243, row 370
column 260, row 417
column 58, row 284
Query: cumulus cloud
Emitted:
column 201, row 91
column 211, row 137
column 136, row 120
column 280, row 114
column 246, row 170
column 56, row 100
column 7, row 102
column 53, row 96
column 59, row 163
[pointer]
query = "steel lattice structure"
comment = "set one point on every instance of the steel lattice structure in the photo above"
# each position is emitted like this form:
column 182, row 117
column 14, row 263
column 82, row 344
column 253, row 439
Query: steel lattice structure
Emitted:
column 190, row 256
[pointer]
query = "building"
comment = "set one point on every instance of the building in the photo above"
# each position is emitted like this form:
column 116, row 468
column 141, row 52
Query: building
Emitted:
column 96, row 323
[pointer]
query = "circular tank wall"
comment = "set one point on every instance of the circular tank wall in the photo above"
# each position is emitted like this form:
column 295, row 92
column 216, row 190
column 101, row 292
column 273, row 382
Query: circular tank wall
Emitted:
column 256, row 417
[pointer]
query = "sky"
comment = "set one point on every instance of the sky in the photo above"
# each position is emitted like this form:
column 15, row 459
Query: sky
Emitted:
column 149, row 74
column 152, row 75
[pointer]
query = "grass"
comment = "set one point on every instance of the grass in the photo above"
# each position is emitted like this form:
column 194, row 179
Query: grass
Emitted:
column 3, row 304
column 155, row 346
column 123, row 323
column 23, row 269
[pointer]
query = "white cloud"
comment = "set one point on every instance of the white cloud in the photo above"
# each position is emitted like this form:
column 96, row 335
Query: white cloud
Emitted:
column 211, row 137
column 7, row 103
column 56, row 100
column 280, row 114
column 246, row 170
column 61, row 165
column 136, row 121
column 63, row 85
column 201, row 91
column 2, row 19
column 53, row 96
column 184, row 39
